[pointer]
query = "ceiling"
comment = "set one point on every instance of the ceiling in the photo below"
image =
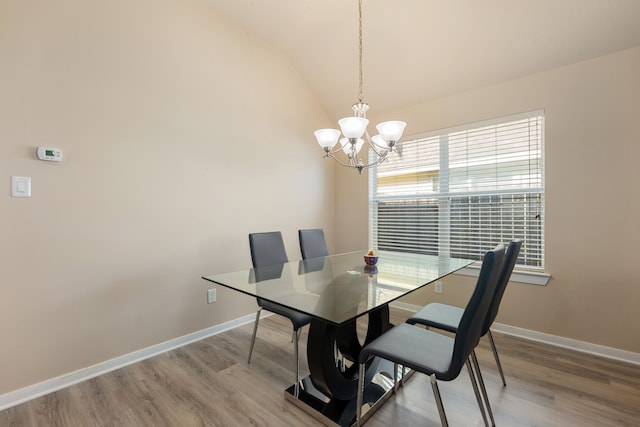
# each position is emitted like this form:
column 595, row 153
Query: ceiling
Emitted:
column 416, row 50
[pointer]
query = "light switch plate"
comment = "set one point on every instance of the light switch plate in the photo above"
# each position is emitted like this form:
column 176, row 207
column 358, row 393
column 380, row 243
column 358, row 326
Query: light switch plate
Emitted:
column 21, row 186
column 438, row 287
column 211, row 296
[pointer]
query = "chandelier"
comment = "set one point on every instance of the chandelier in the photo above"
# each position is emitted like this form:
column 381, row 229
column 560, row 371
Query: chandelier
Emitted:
column 355, row 127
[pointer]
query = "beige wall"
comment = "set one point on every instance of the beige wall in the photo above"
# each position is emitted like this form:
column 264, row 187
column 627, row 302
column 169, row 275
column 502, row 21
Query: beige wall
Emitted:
column 592, row 205
column 181, row 134
column 175, row 126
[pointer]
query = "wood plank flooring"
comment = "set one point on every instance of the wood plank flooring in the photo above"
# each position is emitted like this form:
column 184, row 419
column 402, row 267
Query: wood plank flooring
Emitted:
column 208, row 383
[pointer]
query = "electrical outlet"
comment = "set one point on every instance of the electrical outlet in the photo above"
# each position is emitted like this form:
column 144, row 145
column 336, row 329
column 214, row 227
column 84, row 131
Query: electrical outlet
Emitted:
column 211, row 296
column 438, row 287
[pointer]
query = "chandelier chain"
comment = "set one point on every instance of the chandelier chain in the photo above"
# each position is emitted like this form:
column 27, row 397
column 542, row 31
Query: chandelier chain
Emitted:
column 360, row 96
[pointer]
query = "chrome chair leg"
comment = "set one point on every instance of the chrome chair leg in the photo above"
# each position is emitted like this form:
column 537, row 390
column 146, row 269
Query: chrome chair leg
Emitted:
column 253, row 337
column 436, row 395
column 339, row 358
column 359, row 394
column 395, row 378
column 483, row 389
column 295, row 347
column 403, row 371
column 495, row 356
column 477, row 392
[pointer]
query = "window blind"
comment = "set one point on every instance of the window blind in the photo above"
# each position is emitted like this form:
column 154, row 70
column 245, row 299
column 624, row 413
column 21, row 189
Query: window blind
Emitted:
column 462, row 191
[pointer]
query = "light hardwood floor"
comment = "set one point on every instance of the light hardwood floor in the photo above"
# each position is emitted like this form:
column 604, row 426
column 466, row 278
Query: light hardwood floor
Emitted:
column 209, row 383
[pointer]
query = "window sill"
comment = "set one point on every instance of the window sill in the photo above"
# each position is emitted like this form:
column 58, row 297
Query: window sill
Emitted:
column 521, row 276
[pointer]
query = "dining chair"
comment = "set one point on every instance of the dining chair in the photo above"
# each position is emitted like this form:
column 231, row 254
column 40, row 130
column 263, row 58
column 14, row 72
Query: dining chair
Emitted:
column 312, row 243
column 447, row 317
column 267, row 249
column 439, row 356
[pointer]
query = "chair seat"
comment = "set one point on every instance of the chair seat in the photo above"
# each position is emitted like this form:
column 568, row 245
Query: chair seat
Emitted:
column 440, row 316
column 297, row 319
column 416, row 348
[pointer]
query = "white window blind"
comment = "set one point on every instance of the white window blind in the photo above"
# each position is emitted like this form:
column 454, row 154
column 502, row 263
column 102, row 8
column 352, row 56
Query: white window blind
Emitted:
column 462, row 191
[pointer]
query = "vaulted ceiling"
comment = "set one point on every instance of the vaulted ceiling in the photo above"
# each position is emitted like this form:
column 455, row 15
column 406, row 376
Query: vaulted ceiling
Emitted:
column 415, row 50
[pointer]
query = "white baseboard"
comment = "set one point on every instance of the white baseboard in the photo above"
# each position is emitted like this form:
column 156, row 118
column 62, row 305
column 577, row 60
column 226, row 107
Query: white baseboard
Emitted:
column 569, row 343
column 25, row 394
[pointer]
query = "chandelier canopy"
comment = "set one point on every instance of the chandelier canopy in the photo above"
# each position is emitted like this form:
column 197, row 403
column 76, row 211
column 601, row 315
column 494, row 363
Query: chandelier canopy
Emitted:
column 355, row 127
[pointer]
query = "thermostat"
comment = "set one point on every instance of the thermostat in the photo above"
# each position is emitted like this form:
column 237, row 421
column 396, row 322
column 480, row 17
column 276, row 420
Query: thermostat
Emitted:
column 51, row 154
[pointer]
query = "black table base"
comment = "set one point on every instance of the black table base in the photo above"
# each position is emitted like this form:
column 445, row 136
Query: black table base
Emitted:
column 330, row 391
column 338, row 412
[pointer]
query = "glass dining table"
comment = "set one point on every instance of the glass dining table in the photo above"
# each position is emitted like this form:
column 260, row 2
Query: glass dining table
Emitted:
column 349, row 303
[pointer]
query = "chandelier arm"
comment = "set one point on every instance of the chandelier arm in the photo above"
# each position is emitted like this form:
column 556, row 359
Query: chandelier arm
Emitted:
column 372, row 164
column 355, row 165
column 349, row 165
column 366, row 133
column 331, row 153
column 379, row 153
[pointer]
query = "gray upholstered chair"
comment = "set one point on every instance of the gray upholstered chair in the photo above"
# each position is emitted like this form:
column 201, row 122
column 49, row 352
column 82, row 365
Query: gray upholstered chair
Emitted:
column 267, row 249
column 312, row 243
column 433, row 354
column 447, row 317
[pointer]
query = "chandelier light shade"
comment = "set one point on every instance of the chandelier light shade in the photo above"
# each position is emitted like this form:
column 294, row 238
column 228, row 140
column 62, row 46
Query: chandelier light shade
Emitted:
column 354, row 129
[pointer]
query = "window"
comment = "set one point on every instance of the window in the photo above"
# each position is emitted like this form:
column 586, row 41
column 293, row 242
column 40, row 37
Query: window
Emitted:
column 461, row 191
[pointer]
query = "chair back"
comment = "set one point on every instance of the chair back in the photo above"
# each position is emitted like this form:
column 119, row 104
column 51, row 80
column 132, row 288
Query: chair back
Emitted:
column 312, row 243
column 267, row 249
column 510, row 258
column 471, row 323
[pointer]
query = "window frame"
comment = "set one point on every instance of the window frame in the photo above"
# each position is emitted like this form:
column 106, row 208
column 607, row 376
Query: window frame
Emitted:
column 524, row 274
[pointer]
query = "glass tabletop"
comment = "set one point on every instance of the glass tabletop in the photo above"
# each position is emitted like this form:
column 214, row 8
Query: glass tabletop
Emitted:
column 339, row 288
